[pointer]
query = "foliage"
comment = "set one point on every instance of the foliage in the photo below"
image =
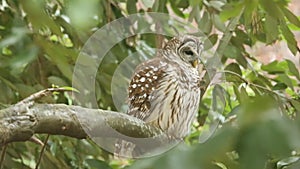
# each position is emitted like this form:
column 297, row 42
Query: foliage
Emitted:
column 40, row 41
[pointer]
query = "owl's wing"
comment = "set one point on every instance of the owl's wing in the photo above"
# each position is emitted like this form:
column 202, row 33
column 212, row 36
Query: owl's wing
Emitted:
column 143, row 87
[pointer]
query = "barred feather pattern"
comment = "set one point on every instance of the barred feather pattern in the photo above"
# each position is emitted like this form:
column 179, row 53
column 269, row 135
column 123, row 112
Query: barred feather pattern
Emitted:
column 164, row 91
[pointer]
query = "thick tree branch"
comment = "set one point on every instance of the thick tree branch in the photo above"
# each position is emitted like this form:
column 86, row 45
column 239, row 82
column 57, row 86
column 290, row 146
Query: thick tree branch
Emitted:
column 19, row 122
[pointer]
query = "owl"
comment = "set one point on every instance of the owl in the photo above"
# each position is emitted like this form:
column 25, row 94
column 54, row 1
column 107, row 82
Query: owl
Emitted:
column 164, row 91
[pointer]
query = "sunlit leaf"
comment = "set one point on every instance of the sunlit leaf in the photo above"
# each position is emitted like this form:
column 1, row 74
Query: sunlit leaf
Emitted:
column 291, row 17
column 293, row 69
column 290, row 38
column 275, row 67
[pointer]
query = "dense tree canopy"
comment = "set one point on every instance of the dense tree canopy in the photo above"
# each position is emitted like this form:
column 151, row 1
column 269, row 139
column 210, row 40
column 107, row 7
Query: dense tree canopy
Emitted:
column 255, row 108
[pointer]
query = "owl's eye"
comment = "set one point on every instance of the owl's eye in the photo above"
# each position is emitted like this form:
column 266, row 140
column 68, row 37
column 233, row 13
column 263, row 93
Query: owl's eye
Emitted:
column 188, row 52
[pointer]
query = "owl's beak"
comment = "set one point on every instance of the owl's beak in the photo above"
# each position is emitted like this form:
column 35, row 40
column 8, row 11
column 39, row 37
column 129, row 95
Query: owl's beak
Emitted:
column 195, row 63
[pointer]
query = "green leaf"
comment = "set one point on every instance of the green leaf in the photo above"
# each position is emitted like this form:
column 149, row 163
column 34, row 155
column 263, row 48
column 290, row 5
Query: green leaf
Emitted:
column 296, row 105
column 176, row 9
column 242, row 60
column 60, row 55
column 285, row 79
column 275, row 67
column 272, row 9
column 279, row 86
column 159, row 6
column 243, row 93
column 25, row 90
column 232, row 52
column 95, row 164
column 38, row 17
column 131, row 6
column 16, row 35
column 182, row 4
column 7, row 94
column 22, row 59
column 240, row 93
column 250, row 7
column 69, row 29
column 194, row 3
column 82, row 14
column 291, row 17
column 293, row 69
column 241, row 38
column 230, row 10
column 217, row 4
column 289, row 37
column 234, row 68
column 210, row 41
column 218, row 23
column 58, row 81
column 205, row 24
column 271, row 27
column 219, row 100
column 259, row 80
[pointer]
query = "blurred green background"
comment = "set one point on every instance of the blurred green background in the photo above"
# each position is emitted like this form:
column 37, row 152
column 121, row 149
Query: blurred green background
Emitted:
column 41, row 39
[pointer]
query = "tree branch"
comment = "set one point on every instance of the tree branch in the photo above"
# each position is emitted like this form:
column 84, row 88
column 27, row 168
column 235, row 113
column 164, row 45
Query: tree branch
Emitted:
column 21, row 121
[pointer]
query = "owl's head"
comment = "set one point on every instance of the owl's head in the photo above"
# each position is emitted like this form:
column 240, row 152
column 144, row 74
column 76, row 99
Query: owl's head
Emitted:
column 188, row 48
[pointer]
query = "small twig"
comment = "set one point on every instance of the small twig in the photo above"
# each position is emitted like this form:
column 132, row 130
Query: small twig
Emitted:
column 25, row 104
column 108, row 11
column 36, row 141
column 42, row 93
column 230, row 119
column 3, row 156
column 255, row 85
column 235, row 74
column 42, row 152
